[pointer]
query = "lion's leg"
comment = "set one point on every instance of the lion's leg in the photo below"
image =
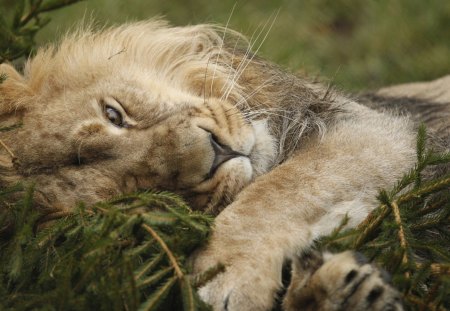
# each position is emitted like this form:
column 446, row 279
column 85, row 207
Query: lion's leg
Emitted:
column 282, row 212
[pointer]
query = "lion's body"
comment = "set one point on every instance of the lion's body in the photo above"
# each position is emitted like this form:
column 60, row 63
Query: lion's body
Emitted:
column 296, row 157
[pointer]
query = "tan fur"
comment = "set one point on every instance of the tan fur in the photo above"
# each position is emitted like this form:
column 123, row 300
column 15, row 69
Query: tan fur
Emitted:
column 310, row 156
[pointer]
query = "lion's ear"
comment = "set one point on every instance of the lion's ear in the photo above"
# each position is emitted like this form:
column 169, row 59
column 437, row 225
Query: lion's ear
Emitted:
column 13, row 89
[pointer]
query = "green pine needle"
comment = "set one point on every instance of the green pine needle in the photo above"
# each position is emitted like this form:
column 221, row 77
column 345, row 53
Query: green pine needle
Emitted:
column 154, row 301
column 188, row 295
column 3, row 77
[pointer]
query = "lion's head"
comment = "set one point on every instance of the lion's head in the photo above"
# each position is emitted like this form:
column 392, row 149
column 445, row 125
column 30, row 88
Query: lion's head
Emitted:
column 140, row 106
column 147, row 106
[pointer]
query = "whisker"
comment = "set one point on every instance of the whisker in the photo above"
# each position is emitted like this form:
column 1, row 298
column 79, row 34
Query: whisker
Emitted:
column 257, row 50
column 79, row 150
column 221, row 47
column 255, row 91
column 268, row 113
column 244, row 57
column 230, row 66
column 204, row 78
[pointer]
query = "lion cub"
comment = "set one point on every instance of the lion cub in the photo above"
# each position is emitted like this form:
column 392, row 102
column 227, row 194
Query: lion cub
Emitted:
column 279, row 158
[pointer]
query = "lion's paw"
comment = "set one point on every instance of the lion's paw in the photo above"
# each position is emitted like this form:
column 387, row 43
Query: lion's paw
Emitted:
column 244, row 285
column 344, row 281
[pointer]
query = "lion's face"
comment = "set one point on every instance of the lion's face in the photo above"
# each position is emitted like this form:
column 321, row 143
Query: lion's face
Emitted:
column 144, row 137
column 108, row 126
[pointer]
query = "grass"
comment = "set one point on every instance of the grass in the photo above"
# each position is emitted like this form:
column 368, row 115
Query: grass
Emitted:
column 358, row 44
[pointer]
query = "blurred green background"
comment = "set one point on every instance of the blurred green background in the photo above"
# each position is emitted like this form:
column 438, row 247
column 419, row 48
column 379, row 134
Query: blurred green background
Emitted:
column 356, row 44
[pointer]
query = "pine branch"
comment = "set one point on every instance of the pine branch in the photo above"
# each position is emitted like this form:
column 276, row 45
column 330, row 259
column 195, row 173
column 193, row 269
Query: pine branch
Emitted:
column 107, row 251
column 17, row 37
column 208, row 275
column 155, row 299
column 3, row 77
column 408, row 234
column 401, row 234
column 163, row 245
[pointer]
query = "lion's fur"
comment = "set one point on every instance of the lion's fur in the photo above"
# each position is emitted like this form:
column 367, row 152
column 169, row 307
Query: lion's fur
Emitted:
column 312, row 154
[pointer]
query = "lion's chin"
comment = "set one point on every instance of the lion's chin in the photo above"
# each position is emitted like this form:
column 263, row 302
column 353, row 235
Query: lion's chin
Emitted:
column 232, row 178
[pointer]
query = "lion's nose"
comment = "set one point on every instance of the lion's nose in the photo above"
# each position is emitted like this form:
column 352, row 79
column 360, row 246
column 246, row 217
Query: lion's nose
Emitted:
column 221, row 154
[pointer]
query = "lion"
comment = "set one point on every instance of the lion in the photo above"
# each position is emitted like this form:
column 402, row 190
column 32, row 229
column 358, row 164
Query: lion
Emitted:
column 280, row 159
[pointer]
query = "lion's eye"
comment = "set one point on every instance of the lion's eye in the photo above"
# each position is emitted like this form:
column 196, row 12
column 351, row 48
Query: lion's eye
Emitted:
column 114, row 116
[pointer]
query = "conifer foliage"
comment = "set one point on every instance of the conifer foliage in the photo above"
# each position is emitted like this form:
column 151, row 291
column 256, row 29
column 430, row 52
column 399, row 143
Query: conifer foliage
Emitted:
column 17, row 36
column 408, row 234
column 125, row 254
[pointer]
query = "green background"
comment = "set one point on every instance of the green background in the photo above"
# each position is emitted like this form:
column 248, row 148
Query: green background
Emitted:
column 355, row 44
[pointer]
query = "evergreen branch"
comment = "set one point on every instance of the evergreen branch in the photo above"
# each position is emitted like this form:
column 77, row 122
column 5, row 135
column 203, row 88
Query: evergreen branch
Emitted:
column 187, row 292
column 34, row 11
column 17, row 37
column 133, row 293
column 155, row 299
column 370, row 224
column 421, row 143
column 3, row 77
column 149, row 266
column 203, row 278
column 154, row 279
column 430, row 188
column 10, row 128
column 374, row 220
column 437, row 268
column 408, row 229
column 432, row 207
column 439, row 159
column 52, row 5
column 156, row 218
column 441, row 217
column 138, row 250
column 163, row 245
column 432, row 248
column 18, row 11
column 186, row 220
column 39, row 7
column 418, row 301
column 86, row 275
column 104, row 252
column 401, row 234
column 341, row 226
